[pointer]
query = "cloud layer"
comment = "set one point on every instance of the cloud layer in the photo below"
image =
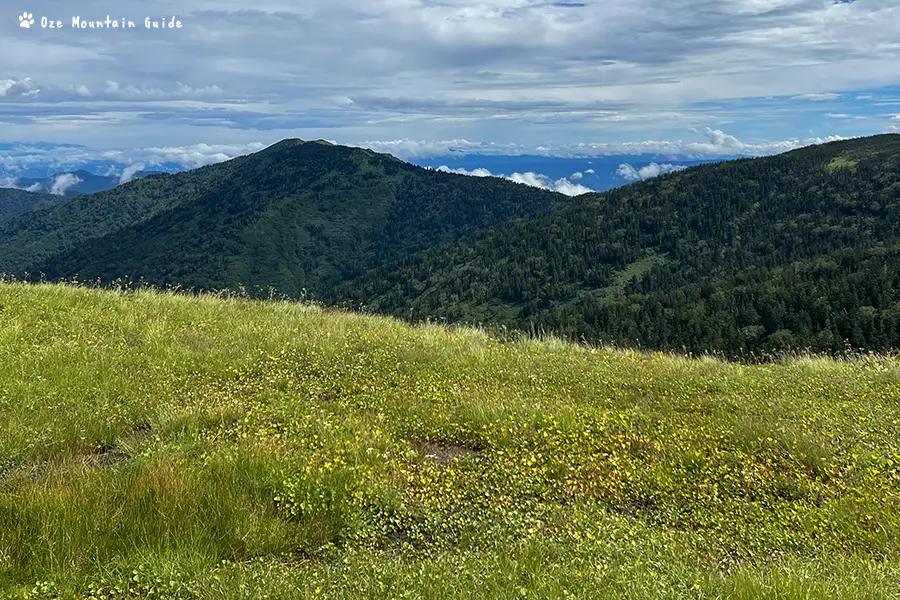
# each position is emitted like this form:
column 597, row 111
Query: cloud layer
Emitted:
column 64, row 182
column 709, row 143
column 516, row 72
column 48, row 158
column 562, row 185
column 629, row 173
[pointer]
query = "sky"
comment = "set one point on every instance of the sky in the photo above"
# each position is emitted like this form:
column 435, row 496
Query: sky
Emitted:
column 423, row 79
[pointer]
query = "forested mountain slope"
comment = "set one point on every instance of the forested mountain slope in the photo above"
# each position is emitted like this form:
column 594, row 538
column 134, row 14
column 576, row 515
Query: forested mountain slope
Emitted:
column 796, row 250
column 15, row 202
column 298, row 215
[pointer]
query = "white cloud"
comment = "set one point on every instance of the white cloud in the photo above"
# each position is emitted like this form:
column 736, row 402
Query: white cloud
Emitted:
column 626, row 171
column 577, row 175
column 198, row 155
column 129, row 172
column 460, row 171
column 717, row 144
column 721, row 139
column 28, row 89
column 21, row 157
column 817, row 97
column 64, row 182
column 13, row 183
column 590, row 171
column 412, row 149
column 532, row 179
column 563, row 186
column 19, row 88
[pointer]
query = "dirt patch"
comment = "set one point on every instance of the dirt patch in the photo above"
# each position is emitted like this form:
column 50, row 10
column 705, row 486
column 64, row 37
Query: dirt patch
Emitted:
column 105, row 457
column 128, row 445
column 39, row 471
column 443, row 453
column 8, row 468
column 102, row 457
column 142, row 429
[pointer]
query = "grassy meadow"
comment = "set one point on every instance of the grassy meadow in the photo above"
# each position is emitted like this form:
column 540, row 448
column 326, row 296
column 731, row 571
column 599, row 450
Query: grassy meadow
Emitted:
column 162, row 446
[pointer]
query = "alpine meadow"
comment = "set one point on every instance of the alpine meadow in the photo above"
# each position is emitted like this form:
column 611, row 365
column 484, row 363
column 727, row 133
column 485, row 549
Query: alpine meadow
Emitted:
column 450, row 300
column 157, row 445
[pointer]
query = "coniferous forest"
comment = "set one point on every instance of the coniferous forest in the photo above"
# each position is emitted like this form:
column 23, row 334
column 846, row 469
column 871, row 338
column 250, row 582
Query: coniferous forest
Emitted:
column 797, row 251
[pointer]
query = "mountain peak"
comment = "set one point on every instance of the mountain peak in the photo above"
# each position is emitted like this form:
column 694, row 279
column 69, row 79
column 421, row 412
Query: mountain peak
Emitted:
column 286, row 143
column 297, row 149
column 294, row 144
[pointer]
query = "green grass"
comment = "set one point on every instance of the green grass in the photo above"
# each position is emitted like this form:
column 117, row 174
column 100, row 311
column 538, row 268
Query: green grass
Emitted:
column 163, row 446
column 841, row 162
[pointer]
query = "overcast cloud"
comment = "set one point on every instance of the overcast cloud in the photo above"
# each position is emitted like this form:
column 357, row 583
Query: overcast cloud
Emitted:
column 420, row 77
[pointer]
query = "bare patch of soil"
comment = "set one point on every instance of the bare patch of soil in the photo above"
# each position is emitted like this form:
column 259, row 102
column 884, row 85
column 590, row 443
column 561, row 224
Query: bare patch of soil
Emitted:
column 444, row 453
column 104, row 457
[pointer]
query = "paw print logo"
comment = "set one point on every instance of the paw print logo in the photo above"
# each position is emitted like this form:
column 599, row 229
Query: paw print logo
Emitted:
column 26, row 20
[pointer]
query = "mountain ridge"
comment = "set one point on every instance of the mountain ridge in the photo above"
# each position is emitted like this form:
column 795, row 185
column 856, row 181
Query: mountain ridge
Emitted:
column 708, row 224
column 15, row 202
column 85, row 182
column 293, row 216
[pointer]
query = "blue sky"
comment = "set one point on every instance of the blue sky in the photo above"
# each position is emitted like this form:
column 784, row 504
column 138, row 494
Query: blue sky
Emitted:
column 429, row 78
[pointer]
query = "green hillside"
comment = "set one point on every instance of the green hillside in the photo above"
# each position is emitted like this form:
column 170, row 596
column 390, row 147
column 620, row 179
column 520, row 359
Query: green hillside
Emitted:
column 15, row 202
column 298, row 215
column 162, row 446
column 800, row 250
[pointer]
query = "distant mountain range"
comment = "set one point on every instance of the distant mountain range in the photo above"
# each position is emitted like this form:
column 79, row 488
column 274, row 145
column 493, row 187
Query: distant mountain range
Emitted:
column 800, row 250
column 74, row 183
column 600, row 174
